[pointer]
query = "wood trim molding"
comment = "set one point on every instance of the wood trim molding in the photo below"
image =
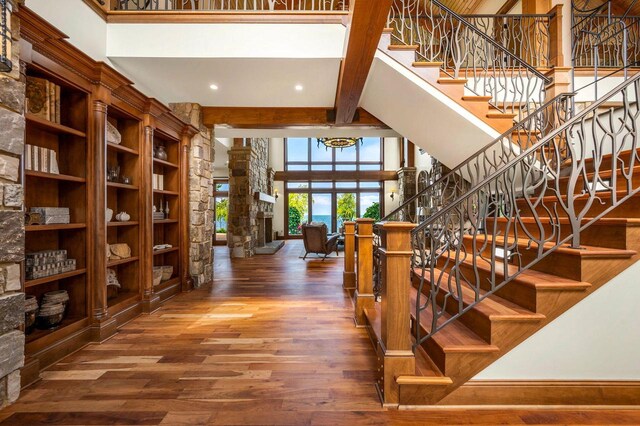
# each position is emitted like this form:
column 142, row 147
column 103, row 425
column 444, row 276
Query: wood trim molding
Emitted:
column 214, row 17
column 337, row 176
column 545, row 392
column 100, row 10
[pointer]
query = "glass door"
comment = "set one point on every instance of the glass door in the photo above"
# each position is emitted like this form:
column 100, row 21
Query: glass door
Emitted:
column 345, row 208
column 221, row 208
column 321, row 209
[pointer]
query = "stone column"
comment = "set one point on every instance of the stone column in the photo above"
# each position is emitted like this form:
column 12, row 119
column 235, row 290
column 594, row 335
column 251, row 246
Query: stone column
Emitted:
column 201, row 212
column 248, row 174
column 407, row 186
column 12, row 128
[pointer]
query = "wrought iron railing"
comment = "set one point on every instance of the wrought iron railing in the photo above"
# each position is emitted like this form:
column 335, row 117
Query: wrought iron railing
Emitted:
column 526, row 36
column 466, row 52
column 527, row 208
column 606, row 41
column 448, row 188
column 234, row 5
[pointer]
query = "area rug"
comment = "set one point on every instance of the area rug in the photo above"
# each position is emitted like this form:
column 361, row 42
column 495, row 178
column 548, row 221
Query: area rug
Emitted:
column 320, row 256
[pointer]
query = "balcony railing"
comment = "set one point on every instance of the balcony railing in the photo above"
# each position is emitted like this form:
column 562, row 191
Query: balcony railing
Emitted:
column 233, row 5
column 602, row 41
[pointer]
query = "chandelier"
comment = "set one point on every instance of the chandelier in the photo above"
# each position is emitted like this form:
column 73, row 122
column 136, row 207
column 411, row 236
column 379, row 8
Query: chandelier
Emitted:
column 339, row 142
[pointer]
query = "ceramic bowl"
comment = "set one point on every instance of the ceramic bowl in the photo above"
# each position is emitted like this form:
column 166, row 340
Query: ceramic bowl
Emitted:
column 167, row 272
column 157, row 275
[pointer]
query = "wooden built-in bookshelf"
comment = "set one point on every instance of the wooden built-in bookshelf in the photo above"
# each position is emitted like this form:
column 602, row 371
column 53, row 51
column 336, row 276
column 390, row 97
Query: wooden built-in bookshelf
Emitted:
column 68, row 188
column 89, row 95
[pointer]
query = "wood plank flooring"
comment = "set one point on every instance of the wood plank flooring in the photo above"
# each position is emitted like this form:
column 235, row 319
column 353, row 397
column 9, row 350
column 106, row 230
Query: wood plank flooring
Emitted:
column 271, row 342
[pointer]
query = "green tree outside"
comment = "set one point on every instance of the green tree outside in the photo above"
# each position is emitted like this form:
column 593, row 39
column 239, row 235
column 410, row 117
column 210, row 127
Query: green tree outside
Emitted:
column 222, row 214
column 346, row 207
column 298, row 212
column 373, row 211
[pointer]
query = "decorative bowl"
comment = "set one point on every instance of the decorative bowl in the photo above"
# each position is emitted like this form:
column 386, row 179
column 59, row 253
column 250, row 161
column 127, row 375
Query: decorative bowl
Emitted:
column 50, row 316
column 167, row 272
column 157, row 275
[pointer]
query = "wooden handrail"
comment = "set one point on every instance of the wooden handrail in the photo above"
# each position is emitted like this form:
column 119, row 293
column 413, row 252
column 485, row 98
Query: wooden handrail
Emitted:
column 364, row 298
column 349, row 274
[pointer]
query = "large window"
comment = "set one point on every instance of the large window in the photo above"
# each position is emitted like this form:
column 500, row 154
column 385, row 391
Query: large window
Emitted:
column 221, row 202
column 336, row 200
column 305, row 154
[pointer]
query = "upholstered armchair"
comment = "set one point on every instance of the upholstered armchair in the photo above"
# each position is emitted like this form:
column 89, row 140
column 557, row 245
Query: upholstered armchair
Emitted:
column 316, row 240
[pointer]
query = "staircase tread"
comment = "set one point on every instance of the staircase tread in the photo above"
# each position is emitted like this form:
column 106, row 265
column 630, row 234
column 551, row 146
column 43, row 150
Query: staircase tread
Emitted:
column 584, row 251
column 455, row 337
column 533, row 278
column 493, row 307
column 629, row 221
column 606, row 173
column 428, row 64
column 601, row 194
column 476, row 98
column 404, row 47
column 452, row 81
column 498, row 114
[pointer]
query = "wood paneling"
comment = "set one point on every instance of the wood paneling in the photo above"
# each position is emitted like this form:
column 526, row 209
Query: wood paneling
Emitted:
column 205, row 17
column 280, row 117
column 365, row 24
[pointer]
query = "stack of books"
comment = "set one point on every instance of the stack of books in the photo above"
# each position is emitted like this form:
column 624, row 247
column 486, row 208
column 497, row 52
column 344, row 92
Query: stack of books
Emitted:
column 43, row 99
column 46, row 263
column 158, row 182
column 53, row 215
column 39, row 159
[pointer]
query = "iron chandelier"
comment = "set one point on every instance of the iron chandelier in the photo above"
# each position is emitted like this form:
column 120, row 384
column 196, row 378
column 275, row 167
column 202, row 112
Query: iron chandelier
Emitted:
column 339, row 142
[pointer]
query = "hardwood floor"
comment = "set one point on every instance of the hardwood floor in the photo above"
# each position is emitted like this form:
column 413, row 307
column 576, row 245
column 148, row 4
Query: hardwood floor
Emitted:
column 271, row 342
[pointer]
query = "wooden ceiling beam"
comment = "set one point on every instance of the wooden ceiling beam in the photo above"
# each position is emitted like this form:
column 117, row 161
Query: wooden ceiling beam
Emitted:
column 257, row 118
column 367, row 19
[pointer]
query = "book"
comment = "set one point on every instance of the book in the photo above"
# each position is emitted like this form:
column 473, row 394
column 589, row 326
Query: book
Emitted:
column 57, row 104
column 37, row 94
column 27, row 157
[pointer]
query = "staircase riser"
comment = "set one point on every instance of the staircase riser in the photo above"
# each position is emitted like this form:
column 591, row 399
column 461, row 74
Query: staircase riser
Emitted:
column 598, row 234
column 477, row 321
column 629, row 209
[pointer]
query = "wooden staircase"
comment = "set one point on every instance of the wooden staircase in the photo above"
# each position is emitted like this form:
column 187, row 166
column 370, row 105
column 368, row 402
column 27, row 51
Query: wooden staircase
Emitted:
column 454, row 88
column 491, row 328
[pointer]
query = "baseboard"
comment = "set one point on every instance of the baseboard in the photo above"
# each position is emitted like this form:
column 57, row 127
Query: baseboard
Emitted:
column 545, row 392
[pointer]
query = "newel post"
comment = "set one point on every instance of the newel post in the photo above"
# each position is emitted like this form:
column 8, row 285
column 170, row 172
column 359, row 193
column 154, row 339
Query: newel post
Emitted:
column 363, row 296
column 349, row 274
column 556, row 52
column 395, row 258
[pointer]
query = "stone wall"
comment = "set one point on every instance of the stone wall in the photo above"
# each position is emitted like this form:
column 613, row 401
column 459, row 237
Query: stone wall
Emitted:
column 12, row 127
column 201, row 202
column 248, row 173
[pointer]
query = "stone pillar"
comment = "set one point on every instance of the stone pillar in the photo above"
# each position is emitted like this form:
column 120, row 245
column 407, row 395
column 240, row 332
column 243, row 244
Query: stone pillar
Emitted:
column 407, row 186
column 201, row 212
column 12, row 128
column 248, row 174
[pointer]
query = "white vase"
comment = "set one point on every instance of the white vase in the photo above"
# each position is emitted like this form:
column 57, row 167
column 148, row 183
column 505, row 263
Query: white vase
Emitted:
column 123, row 217
column 109, row 215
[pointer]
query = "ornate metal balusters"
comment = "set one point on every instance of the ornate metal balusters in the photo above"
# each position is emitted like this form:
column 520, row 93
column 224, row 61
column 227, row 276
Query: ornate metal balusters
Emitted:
column 466, row 51
column 527, row 207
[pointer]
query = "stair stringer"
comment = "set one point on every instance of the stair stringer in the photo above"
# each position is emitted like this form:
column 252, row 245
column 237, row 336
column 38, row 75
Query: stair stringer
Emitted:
column 422, row 113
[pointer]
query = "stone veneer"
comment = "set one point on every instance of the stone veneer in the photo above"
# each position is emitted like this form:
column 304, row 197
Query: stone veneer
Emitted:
column 407, row 183
column 248, row 173
column 12, row 127
column 201, row 202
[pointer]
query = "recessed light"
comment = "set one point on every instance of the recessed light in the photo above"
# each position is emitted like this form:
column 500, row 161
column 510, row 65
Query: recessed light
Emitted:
column 299, row 87
column 214, row 87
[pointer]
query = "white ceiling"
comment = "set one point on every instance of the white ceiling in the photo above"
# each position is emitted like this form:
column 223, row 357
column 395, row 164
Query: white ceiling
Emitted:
column 242, row 82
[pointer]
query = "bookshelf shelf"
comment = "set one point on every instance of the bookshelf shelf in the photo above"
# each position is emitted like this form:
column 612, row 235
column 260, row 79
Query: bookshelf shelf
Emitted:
column 56, row 227
column 120, row 148
column 52, row 127
column 165, row 163
column 122, row 186
column 54, row 176
column 166, row 192
column 115, row 223
column 46, row 280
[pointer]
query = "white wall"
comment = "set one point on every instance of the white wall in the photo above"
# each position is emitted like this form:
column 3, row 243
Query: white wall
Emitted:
column 598, row 339
column 86, row 30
